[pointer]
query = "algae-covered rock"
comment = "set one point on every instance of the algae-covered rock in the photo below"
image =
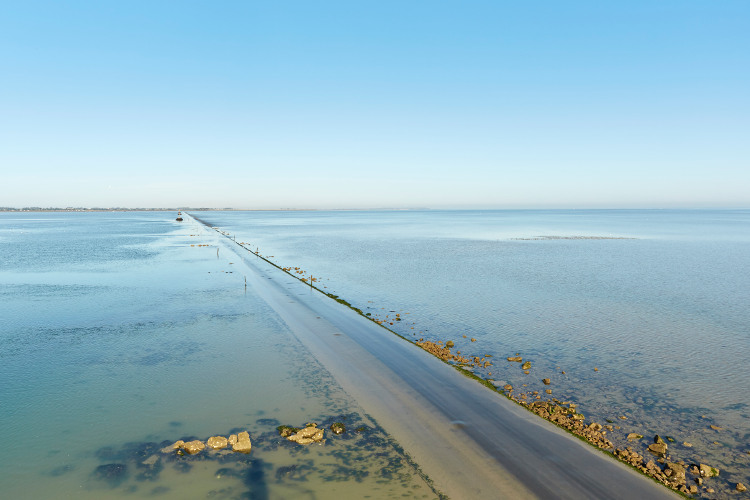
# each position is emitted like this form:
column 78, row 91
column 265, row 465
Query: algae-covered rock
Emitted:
column 449, row 344
column 338, row 428
column 286, row 430
column 708, row 471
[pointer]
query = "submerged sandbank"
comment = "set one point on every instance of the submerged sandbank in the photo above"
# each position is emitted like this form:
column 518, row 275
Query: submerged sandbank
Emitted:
column 468, row 439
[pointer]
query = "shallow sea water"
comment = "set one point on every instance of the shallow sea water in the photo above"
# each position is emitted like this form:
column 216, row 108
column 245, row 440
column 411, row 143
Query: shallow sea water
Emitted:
column 646, row 311
column 122, row 334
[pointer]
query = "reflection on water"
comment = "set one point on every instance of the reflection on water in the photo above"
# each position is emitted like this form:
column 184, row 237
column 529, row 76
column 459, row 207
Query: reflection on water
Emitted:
column 138, row 339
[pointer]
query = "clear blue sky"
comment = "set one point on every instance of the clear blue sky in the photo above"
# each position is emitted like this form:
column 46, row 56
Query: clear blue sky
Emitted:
column 305, row 104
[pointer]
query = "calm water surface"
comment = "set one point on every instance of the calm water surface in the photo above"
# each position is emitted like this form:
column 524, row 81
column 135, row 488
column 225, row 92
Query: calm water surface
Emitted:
column 646, row 312
column 122, row 332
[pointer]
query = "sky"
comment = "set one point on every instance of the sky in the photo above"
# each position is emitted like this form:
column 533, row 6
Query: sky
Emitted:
column 375, row 104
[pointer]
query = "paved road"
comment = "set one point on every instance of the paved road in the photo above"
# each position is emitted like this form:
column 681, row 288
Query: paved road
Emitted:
column 471, row 441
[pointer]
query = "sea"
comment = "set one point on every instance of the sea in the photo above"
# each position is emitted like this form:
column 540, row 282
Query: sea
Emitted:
column 125, row 331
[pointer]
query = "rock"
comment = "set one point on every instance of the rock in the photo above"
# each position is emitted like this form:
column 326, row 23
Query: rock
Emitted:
column 658, row 440
column 338, row 428
column 449, row 344
column 658, row 448
column 693, row 489
column 473, row 340
column 548, row 391
column 243, row 444
column 677, row 471
column 687, row 445
column 716, row 427
column 546, row 381
column 741, row 487
column 508, row 387
column 526, row 365
column 151, row 460
column 286, row 431
column 232, row 439
column 708, row 471
column 217, row 442
column 172, row 447
column 595, row 427
column 515, row 358
column 633, row 435
column 194, row 447
column 307, row 435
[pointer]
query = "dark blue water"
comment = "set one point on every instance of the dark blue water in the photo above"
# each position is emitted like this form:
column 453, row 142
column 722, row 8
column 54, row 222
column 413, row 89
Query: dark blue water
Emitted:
column 646, row 311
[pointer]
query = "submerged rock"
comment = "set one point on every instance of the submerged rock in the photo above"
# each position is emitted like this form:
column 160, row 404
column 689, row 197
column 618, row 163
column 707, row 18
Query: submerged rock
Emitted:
column 112, row 473
column 173, row 447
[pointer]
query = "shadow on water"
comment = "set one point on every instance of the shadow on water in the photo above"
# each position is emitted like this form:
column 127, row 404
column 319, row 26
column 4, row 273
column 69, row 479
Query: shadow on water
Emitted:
column 255, row 480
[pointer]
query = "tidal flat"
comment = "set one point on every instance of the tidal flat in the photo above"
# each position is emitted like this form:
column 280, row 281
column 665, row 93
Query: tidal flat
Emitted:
column 632, row 315
column 121, row 335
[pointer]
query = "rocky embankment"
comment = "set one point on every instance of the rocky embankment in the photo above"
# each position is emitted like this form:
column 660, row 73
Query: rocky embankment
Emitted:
column 688, row 479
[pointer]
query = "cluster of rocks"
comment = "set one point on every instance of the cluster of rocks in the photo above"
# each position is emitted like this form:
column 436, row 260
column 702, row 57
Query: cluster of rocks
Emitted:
column 565, row 415
column 669, row 473
column 673, row 474
column 239, row 443
column 308, row 434
column 442, row 350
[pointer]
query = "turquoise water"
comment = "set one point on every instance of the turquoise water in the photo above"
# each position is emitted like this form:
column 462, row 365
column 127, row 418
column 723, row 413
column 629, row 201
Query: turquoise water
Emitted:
column 646, row 311
column 122, row 332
